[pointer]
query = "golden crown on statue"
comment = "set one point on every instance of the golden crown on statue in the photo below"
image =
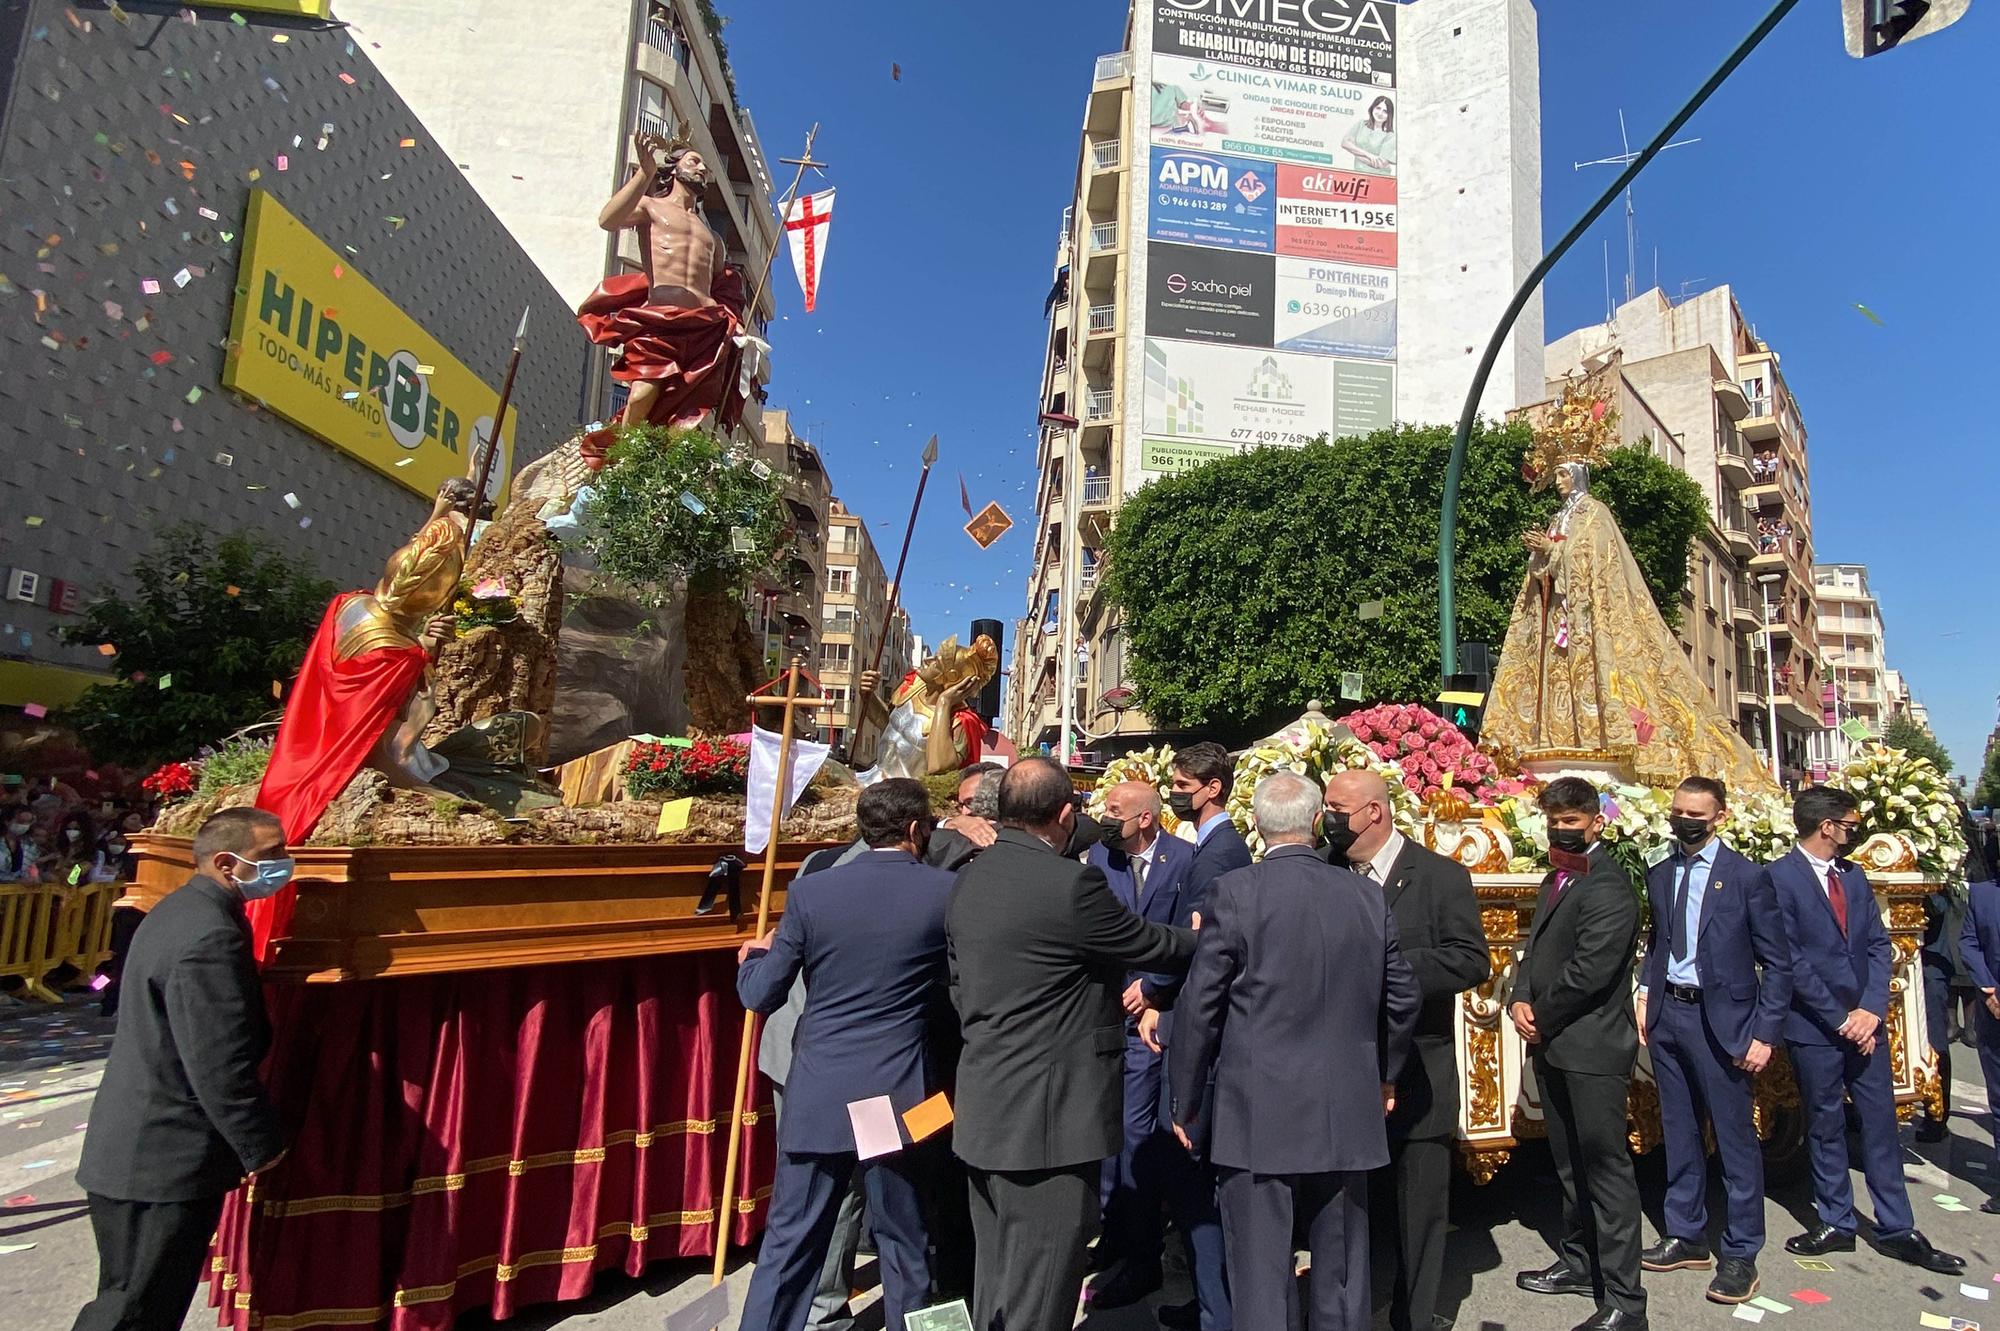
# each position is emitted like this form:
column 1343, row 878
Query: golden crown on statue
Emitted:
column 1580, row 426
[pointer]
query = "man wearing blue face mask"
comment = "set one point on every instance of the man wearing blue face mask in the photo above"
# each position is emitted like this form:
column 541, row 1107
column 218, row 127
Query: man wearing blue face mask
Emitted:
column 181, row 1117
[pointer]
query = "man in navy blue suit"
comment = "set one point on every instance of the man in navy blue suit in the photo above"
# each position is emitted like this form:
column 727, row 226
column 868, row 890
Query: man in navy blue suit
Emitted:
column 1147, row 872
column 1840, row 997
column 870, row 938
column 1203, row 776
column 1711, row 1022
column 1979, row 950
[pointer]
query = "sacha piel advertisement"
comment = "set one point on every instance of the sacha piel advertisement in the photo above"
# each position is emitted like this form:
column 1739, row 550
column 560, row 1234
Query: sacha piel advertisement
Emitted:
column 1350, row 40
column 1208, row 295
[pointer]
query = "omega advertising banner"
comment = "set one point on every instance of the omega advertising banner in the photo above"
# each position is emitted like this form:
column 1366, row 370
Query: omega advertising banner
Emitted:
column 1269, row 301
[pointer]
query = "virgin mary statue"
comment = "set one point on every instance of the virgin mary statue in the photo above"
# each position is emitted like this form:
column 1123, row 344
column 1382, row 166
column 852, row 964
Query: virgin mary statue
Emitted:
column 1590, row 675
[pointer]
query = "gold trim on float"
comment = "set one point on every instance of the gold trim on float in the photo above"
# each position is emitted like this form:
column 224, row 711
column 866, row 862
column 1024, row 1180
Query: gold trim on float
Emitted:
column 503, row 1272
column 277, row 1208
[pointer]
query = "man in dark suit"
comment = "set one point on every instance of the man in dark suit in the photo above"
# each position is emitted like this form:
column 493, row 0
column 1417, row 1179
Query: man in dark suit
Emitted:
column 774, row 1059
column 1436, row 914
column 181, row 1118
column 1711, row 1022
column 1203, row 776
column 1040, row 951
column 869, row 937
column 1979, row 950
column 1147, row 871
column 1572, row 1004
column 1297, row 993
column 974, row 815
column 1841, row 960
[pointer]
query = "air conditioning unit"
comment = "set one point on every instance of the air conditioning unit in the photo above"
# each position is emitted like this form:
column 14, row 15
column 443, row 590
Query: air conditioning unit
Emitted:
column 23, row 585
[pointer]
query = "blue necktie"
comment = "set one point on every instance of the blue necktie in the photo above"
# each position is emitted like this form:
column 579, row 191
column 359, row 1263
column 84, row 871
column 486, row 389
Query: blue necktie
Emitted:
column 1681, row 943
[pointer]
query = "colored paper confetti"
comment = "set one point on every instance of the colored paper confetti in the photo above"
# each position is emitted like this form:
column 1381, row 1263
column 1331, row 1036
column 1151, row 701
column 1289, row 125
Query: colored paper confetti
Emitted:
column 107, row 649
column 408, row 143
column 674, row 815
column 692, row 505
column 33, row 520
column 1873, row 317
column 346, row 78
column 182, row 278
column 1811, row 1264
column 283, row 162
column 167, row 680
column 35, row 710
column 291, row 500
column 1809, row 1297
column 150, row 287
column 193, row 395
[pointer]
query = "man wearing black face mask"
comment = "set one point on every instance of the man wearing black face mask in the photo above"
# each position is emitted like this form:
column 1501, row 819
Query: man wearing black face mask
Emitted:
column 1711, row 1021
column 1146, row 872
column 1840, row 996
column 1430, row 898
column 181, row 1116
column 1572, row 1004
column 1039, row 951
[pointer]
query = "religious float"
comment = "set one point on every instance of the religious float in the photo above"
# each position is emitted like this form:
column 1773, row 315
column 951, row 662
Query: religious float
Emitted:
column 507, row 1044
column 1591, row 682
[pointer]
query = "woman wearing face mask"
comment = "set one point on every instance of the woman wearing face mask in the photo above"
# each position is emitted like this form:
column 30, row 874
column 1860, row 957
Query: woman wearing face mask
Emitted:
column 18, row 854
column 75, row 849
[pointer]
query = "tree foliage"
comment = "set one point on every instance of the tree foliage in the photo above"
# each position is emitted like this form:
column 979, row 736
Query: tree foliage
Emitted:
column 211, row 622
column 1240, row 582
column 674, row 503
column 1905, row 734
column 1987, row 793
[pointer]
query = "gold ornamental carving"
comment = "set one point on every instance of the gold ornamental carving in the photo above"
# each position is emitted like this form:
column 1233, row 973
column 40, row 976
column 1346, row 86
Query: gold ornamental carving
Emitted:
column 1482, row 1162
column 1886, row 852
column 1642, row 1116
column 1482, row 1049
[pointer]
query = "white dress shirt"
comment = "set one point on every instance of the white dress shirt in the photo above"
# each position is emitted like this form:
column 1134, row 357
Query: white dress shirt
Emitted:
column 1377, row 867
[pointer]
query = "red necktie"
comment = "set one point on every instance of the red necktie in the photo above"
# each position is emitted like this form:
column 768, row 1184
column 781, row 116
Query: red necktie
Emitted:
column 1836, row 896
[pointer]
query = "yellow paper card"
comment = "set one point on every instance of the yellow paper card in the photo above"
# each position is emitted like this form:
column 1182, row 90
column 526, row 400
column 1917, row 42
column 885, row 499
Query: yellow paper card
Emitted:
column 928, row 1117
column 674, row 814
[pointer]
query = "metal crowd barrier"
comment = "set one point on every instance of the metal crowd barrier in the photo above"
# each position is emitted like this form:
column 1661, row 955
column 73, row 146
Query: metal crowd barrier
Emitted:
column 45, row 927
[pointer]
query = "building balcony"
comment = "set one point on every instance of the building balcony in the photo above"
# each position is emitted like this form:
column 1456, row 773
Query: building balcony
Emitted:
column 1746, row 615
column 1098, row 403
column 1760, row 420
column 1729, row 396
column 1738, row 530
column 1733, row 461
column 1110, row 68
column 1746, row 698
column 1102, row 319
column 1106, row 155
column 1103, row 236
column 1096, row 491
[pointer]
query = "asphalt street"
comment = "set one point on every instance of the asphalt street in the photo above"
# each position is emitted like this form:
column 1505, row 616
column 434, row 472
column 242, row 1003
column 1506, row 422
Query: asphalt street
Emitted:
column 50, row 1061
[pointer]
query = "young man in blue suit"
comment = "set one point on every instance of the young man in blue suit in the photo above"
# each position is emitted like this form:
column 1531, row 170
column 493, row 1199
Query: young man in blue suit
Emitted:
column 870, row 939
column 1147, row 872
column 1203, row 776
column 1711, row 1021
column 1840, row 998
column 1979, row 950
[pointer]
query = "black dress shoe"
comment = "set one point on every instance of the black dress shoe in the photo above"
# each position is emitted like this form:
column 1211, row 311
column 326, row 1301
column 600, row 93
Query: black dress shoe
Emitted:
column 1991, row 1206
column 1930, row 1130
column 1820, row 1240
column 1181, row 1316
column 1915, row 1249
column 1557, row 1278
column 1735, row 1281
column 1123, row 1285
column 1613, row 1319
column 1677, row 1255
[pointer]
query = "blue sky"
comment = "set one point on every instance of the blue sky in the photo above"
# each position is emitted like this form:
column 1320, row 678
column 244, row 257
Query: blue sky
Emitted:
column 1820, row 182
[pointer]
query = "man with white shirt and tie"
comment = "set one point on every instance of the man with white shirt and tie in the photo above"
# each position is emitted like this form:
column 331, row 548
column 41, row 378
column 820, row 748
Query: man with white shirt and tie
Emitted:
column 1436, row 913
column 1840, row 997
column 1147, row 872
column 1711, row 1021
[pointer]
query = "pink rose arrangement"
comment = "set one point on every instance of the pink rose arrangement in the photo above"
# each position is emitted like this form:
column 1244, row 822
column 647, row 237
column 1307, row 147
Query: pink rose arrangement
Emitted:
column 1428, row 748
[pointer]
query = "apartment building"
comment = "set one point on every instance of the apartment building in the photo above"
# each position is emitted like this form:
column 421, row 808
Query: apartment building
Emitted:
column 1701, row 368
column 783, row 602
column 1276, row 233
column 853, row 608
column 1860, row 686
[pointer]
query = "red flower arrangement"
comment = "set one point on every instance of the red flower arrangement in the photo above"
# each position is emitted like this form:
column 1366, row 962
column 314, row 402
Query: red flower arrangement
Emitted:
column 699, row 768
column 1428, row 748
column 171, row 782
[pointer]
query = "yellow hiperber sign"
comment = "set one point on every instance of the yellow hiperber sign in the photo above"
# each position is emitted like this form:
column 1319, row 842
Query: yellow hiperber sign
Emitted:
column 300, row 8
column 315, row 342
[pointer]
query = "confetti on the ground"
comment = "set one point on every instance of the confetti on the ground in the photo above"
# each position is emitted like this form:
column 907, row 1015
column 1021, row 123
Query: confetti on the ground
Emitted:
column 1811, row 1264
column 1770, row 1305
column 1975, row 1291
column 6, row 1248
column 1945, row 1199
column 1745, row 1313
column 1809, row 1297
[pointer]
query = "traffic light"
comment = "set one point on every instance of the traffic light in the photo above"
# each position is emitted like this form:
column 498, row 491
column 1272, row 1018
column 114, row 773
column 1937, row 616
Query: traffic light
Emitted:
column 1463, row 701
column 1875, row 26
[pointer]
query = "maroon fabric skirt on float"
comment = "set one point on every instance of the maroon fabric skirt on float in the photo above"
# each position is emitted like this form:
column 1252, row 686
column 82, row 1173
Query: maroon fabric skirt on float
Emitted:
column 687, row 352
column 490, row 1139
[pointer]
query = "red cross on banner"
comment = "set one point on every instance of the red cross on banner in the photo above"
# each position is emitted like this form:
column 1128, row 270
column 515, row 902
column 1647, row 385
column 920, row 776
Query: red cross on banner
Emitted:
column 807, row 223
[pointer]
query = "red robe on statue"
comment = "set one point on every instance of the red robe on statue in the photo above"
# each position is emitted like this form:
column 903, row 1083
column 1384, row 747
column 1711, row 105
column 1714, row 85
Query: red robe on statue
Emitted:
column 690, row 353
column 339, row 709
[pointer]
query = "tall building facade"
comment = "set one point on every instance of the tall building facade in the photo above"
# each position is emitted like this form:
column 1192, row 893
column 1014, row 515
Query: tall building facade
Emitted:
column 1700, row 366
column 224, row 311
column 583, row 87
column 1288, row 221
column 851, row 625
column 1860, row 686
column 783, row 602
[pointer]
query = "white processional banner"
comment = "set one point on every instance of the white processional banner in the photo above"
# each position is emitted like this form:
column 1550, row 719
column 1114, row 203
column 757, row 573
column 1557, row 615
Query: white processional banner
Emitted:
column 807, row 224
column 807, row 758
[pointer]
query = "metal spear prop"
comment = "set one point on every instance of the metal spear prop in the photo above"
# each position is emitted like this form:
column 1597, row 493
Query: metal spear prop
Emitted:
column 494, row 436
column 792, row 702
column 896, row 586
